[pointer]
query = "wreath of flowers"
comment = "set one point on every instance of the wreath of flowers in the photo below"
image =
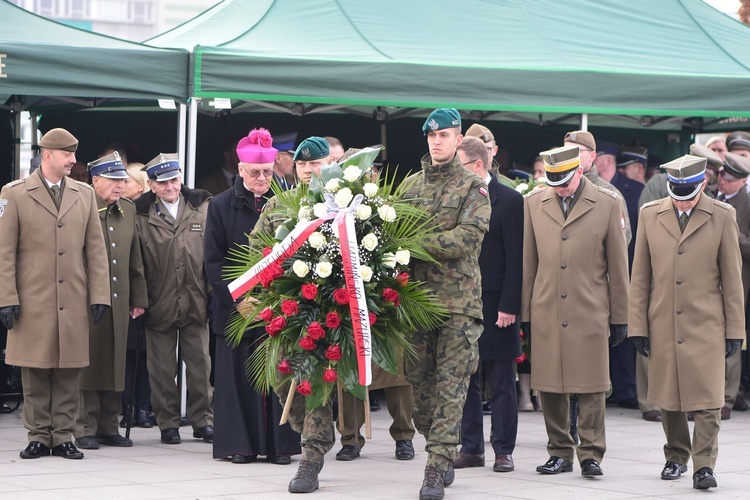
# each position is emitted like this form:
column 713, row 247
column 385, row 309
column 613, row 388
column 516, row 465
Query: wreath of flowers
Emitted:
column 303, row 302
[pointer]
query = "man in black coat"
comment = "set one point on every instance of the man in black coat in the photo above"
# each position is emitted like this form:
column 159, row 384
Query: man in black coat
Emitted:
column 500, row 343
column 246, row 423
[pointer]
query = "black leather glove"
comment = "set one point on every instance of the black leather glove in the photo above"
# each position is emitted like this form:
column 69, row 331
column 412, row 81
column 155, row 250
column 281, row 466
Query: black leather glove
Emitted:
column 732, row 346
column 97, row 311
column 617, row 333
column 642, row 345
column 7, row 315
column 526, row 328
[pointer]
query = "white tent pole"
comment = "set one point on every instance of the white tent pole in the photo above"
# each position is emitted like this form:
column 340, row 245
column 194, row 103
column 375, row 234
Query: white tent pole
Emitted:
column 191, row 145
column 585, row 121
column 181, row 132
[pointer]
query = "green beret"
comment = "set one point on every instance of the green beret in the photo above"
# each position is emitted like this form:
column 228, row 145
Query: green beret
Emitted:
column 59, row 138
column 442, row 118
column 312, row 148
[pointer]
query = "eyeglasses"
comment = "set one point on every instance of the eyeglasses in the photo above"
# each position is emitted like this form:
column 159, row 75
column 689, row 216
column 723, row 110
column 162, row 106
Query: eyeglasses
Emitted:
column 254, row 174
column 585, row 150
column 470, row 162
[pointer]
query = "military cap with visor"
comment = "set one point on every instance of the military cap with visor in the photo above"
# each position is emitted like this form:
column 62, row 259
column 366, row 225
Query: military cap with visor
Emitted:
column 685, row 176
column 59, row 138
column 607, row 148
column 285, row 142
column 582, row 138
column 738, row 140
column 560, row 164
column 480, row 132
column 442, row 118
column 312, row 148
column 163, row 167
column 109, row 166
column 712, row 158
column 737, row 166
column 632, row 154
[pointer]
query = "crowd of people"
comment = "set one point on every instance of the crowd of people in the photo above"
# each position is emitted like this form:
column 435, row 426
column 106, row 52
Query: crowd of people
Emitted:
column 115, row 268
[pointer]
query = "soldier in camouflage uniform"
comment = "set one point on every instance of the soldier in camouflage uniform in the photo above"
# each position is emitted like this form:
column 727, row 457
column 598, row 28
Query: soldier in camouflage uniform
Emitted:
column 316, row 425
column 447, row 357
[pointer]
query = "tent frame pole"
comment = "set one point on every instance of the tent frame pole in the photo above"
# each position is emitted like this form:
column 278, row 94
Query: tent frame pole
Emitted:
column 585, row 121
column 192, row 130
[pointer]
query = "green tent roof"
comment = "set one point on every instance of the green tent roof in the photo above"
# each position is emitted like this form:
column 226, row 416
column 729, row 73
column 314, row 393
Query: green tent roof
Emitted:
column 46, row 58
column 641, row 57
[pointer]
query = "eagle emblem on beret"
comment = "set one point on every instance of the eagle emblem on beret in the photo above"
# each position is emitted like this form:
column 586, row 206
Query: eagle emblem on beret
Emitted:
column 305, row 153
column 432, row 124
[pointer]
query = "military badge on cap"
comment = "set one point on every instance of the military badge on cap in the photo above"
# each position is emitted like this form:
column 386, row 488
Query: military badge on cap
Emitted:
column 481, row 132
column 582, row 138
column 109, row 166
column 685, row 177
column 442, row 118
column 312, row 148
column 164, row 167
column 738, row 140
column 560, row 164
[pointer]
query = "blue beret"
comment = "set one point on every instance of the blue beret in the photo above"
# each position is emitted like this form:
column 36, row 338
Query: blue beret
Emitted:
column 442, row 118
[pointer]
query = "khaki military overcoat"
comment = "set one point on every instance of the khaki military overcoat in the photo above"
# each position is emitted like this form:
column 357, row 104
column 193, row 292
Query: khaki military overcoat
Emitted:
column 686, row 297
column 108, row 339
column 54, row 266
column 575, row 284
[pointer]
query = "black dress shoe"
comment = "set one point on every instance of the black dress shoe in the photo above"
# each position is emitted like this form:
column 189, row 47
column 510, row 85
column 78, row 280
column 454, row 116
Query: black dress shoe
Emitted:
column 87, row 443
column 704, row 479
column 374, row 404
column 404, row 450
column 555, row 465
column 35, row 449
column 170, row 436
column 114, row 440
column 143, row 420
column 347, row 453
column 279, row 459
column 67, row 450
column 244, row 459
column 673, row 470
column 591, row 468
column 206, row 433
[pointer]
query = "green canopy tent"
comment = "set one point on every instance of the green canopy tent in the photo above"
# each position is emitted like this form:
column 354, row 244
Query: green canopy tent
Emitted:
column 47, row 64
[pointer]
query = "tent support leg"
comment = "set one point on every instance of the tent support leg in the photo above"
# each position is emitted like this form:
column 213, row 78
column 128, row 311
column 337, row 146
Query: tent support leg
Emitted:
column 192, row 128
column 585, row 121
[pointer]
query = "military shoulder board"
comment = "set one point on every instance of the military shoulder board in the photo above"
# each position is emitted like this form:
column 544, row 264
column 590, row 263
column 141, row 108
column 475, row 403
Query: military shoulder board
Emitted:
column 609, row 192
column 723, row 204
column 650, row 204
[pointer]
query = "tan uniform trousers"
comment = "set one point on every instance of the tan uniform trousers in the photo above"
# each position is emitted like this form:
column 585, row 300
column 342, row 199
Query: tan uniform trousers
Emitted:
column 556, row 411
column 98, row 412
column 400, row 405
column 641, row 384
column 50, row 403
column 162, row 368
column 733, row 374
column 705, row 446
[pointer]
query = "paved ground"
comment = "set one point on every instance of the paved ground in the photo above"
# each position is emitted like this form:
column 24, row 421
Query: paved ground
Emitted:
column 151, row 470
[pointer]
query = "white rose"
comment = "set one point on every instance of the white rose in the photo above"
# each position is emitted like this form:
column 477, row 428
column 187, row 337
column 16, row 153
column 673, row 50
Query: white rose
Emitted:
column 370, row 241
column 300, row 268
column 370, row 189
column 304, row 213
column 363, row 212
column 387, row 213
column 366, row 273
column 343, row 197
column 323, row 269
column 389, row 260
column 403, row 256
column 521, row 188
column 320, row 210
column 332, row 185
column 317, row 240
column 352, row 173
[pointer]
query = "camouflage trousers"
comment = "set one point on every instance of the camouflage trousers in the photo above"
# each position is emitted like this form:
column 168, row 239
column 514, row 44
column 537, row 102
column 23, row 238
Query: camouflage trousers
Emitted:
column 316, row 425
column 445, row 360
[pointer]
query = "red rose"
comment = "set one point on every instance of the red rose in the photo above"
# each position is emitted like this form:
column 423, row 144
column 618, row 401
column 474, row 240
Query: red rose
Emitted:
column 520, row 332
column 333, row 353
column 276, row 325
column 304, row 388
column 266, row 278
column 329, row 376
column 266, row 251
column 309, row 291
column 290, row 308
column 333, row 320
column 277, row 271
column 307, row 343
column 402, row 279
column 520, row 359
column 341, row 296
column 316, row 330
column 284, row 367
column 266, row 314
column 373, row 318
column 390, row 295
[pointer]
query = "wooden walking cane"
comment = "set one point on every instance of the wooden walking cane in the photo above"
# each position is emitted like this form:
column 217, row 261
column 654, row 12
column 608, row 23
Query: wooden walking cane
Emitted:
column 288, row 402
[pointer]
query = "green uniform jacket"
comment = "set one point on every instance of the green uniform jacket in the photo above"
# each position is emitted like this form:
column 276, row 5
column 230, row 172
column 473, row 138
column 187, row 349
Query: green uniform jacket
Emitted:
column 108, row 339
column 173, row 259
column 54, row 266
column 459, row 200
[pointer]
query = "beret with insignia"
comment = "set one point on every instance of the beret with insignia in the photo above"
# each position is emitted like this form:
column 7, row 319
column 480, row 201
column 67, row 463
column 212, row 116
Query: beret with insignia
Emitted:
column 442, row 118
column 481, row 132
column 312, row 148
column 582, row 138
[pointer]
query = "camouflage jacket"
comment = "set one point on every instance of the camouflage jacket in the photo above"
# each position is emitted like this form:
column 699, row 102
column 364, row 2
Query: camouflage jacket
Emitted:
column 458, row 198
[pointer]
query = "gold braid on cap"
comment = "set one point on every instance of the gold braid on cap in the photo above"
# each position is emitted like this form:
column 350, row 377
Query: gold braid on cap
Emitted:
column 562, row 166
